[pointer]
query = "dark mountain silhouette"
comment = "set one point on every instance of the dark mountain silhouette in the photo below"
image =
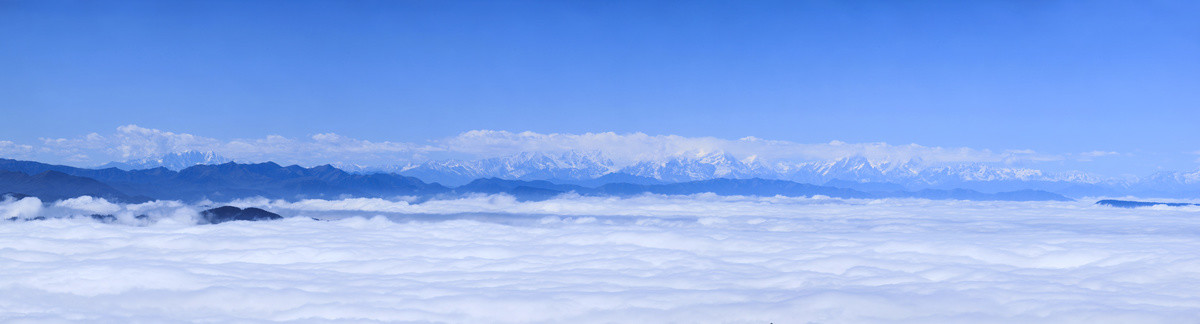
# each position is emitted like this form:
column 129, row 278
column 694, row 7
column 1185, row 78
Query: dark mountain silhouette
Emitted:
column 54, row 185
column 229, row 213
column 1135, row 204
column 234, row 180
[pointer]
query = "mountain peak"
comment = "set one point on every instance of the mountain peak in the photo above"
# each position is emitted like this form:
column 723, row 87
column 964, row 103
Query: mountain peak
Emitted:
column 174, row 161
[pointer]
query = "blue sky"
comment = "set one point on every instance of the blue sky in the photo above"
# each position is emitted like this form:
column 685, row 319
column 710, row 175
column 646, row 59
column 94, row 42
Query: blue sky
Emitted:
column 1055, row 77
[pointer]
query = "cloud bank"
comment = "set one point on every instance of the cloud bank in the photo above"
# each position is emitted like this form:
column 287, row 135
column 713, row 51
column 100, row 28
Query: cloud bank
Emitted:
column 587, row 260
column 135, row 142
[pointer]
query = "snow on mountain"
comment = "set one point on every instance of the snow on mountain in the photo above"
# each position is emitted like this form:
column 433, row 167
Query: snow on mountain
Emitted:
column 702, row 167
column 593, row 167
column 712, row 165
column 983, row 173
column 855, row 168
column 364, row 169
column 585, row 165
column 1180, row 178
column 174, row 161
column 523, row 166
column 1168, row 184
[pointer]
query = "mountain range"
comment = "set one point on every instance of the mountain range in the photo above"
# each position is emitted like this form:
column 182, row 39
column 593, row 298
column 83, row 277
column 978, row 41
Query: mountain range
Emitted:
column 231, row 180
column 584, row 166
column 593, row 169
column 172, row 161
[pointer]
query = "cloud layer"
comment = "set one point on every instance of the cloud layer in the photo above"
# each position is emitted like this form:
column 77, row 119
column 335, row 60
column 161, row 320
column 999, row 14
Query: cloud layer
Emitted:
column 590, row 260
column 135, row 142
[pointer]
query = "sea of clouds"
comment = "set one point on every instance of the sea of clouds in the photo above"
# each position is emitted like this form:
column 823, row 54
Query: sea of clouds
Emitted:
column 645, row 259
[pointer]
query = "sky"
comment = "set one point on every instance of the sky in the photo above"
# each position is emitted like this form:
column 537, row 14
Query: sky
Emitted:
column 1059, row 78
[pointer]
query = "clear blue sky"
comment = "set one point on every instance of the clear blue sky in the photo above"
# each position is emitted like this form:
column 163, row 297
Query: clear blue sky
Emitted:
column 1052, row 76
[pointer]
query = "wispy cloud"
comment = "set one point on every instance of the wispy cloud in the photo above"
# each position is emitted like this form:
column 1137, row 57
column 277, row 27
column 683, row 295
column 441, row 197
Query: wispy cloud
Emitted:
column 135, row 142
column 130, row 141
column 8, row 148
column 322, row 148
column 1098, row 153
column 1092, row 155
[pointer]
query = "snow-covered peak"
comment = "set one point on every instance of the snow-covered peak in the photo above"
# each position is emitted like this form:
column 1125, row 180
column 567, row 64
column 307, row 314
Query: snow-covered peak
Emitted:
column 174, row 161
column 571, row 165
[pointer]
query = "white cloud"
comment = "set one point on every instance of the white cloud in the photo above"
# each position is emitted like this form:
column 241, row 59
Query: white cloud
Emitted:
column 135, row 142
column 320, row 149
column 1099, row 153
column 89, row 204
column 23, row 208
column 1092, row 155
column 593, row 260
column 10, row 149
column 130, row 142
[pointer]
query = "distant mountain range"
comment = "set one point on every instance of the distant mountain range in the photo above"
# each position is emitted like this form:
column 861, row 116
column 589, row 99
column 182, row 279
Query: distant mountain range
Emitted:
column 222, row 182
column 171, row 161
column 593, row 169
column 230, row 180
column 573, row 166
column 52, row 185
column 586, row 166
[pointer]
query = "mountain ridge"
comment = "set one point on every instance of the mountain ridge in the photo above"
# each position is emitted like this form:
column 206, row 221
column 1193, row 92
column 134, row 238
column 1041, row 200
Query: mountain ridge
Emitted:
column 270, row 180
column 913, row 174
column 172, row 161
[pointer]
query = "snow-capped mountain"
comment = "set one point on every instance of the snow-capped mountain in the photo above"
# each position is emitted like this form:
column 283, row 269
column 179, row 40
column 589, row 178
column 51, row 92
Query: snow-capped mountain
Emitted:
column 363, row 169
column 173, row 161
column 703, row 167
column 1183, row 178
column 523, row 166
column 1166, row 184
column 574, row 166
column 593, row 169
column 856, row 168
column 915, row 174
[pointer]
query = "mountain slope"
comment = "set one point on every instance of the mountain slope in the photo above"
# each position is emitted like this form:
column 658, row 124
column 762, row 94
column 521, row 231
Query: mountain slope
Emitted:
column 594, row 170
column 54, row 185
column 234, row 180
